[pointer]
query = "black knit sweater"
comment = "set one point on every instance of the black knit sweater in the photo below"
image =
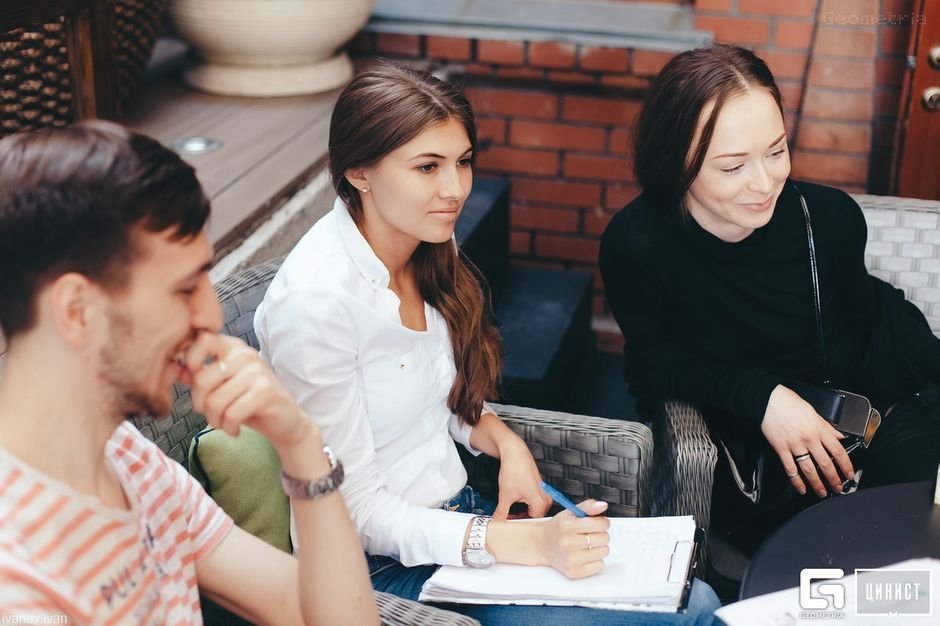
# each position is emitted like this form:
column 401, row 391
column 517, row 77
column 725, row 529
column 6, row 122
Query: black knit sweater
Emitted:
column 721, row 324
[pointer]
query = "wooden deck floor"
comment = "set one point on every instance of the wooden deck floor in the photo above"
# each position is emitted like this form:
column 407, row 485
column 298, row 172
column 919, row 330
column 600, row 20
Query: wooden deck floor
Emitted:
column 270, row 146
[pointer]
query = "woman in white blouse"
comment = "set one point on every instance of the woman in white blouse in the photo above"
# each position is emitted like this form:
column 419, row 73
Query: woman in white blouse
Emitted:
column 378, row 326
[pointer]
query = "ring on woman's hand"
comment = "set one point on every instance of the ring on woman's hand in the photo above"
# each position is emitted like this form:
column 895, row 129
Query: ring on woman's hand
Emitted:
column 794, row 474
column 223, row 368
column 590, row 547
column 799, row 458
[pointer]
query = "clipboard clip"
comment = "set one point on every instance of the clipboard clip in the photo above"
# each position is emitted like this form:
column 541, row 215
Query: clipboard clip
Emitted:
column 683, row 563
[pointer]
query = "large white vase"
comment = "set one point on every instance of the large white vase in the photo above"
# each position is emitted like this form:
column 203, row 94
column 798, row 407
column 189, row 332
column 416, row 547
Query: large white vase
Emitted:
column 268, row 47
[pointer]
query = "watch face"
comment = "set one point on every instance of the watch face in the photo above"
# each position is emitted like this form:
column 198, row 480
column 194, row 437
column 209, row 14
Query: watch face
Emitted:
column 479, row 558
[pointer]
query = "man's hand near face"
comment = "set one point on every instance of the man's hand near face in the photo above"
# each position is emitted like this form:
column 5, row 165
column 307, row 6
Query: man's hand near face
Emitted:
column 233, row 387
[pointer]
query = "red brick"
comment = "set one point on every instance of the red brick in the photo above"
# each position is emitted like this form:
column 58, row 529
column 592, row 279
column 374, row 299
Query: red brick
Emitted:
column 491, row 129
column 786, row 64
column 513, row 102
column 648, row 62
column 501, row 52
column 453, row 48
column 790, row 92
column 887, row 102
column 633, row 83
column 845, row 42
column 520, row 242
column 835, row 136
column 557, row 220
column 523, row 161
column 839, row 105
column 849, row 12
column 556, row 135
column 893, row 39
column 509, row 73
column 556, row 192
column 478, row 69
column 793, row 34
column 551, row 54
column 847, row 74
column 572, row 78
column 566, row 248
column 619, row 195
column 620, row 142
column 603, row 59
column 890, row 71
column 393, row 43
column 735, row 29
column 790, row 8
column 712, row 5
column 826, row 167
column 598, row 167
column 600, row 110
column 595, row 221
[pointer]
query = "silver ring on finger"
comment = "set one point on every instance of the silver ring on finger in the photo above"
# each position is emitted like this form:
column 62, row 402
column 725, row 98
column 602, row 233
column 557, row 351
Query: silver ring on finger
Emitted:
column 799, row 458
column 590, row 547
column 223, row 368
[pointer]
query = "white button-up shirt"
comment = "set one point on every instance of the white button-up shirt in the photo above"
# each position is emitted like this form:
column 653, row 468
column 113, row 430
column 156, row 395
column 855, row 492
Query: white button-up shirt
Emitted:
column 330, row 328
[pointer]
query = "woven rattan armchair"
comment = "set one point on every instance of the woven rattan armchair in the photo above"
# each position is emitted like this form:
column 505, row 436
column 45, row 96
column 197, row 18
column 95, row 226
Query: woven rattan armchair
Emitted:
column 584, row 456
column 903, row 249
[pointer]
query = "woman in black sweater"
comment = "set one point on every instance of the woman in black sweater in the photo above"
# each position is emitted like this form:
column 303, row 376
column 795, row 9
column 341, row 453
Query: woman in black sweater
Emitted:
column 708, row 275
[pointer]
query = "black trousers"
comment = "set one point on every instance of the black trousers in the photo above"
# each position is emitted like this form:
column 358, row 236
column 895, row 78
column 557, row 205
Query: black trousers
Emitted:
column 906, row 448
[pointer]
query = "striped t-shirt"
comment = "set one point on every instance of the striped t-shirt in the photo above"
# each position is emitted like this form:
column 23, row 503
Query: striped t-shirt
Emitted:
column 69, row 558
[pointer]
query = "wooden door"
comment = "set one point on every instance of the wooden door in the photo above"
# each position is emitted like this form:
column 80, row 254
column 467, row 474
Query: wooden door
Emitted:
column 918, row 175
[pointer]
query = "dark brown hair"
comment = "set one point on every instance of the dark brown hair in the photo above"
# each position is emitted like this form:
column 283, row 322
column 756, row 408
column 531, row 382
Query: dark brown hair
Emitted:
column 70, row 199
column 379, row 111
column 665, row 161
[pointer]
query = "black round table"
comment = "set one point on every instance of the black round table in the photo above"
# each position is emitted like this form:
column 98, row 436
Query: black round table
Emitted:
column 870, row 528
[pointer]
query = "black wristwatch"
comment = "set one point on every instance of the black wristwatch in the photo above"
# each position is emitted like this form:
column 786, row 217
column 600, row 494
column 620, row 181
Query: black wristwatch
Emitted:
column 313, row 489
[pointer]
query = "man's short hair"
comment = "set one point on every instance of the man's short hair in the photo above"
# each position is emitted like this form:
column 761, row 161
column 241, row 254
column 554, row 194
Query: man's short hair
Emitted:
column 70, row 200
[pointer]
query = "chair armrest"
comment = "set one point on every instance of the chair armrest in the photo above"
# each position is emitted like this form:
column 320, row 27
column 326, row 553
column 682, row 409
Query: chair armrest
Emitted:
column 395, row 611
column 587, row 457
column 685, row 467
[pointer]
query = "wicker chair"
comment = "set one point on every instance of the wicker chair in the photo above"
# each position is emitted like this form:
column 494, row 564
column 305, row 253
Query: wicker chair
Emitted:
column 903, row 249
column 66, row 60
column 584, row 456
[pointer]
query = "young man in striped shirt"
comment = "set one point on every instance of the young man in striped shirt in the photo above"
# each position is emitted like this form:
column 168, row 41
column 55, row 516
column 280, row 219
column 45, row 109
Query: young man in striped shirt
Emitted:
column 105, row 301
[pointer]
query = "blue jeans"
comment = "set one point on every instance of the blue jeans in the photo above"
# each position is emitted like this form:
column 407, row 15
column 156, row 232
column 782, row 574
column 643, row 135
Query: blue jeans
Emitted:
column 390, row 576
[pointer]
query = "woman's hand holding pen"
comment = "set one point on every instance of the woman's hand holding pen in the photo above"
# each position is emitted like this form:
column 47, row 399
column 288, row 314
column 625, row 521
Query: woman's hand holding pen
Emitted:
column 577, row 546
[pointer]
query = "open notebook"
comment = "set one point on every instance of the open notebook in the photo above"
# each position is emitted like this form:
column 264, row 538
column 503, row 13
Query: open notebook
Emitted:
column 647, row 570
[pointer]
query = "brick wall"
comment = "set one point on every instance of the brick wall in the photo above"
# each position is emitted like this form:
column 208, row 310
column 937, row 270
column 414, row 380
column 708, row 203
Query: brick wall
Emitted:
column 555, row 118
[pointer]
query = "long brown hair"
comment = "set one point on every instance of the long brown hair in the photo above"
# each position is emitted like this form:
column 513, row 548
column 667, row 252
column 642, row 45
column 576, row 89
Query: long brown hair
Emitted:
column 380, row 110
column 670, row 115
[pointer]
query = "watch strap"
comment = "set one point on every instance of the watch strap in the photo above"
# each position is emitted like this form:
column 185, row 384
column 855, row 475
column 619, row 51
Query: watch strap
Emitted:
column 314, row 489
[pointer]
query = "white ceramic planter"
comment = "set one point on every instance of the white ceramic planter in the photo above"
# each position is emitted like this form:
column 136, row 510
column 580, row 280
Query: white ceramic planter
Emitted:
column 269, row 47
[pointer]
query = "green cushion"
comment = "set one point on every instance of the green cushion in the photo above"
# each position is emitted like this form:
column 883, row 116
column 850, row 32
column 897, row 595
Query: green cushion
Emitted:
column 242, row 474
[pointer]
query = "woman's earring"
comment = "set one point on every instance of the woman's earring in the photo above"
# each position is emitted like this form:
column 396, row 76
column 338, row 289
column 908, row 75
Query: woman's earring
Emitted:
column 365, row 190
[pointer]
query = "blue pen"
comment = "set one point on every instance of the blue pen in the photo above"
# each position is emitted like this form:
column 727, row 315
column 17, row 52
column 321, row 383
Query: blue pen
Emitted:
column 560, row 498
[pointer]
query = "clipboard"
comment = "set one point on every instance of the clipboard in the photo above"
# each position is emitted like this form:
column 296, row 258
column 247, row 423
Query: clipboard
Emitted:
column 686, row 552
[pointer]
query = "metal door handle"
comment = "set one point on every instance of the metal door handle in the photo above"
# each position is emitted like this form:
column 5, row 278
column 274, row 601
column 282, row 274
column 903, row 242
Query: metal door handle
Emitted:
column 933, row 57
column 931, row 99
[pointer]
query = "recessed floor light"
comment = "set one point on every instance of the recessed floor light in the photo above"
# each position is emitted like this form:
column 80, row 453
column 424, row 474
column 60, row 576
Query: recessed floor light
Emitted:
column 196, row 145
